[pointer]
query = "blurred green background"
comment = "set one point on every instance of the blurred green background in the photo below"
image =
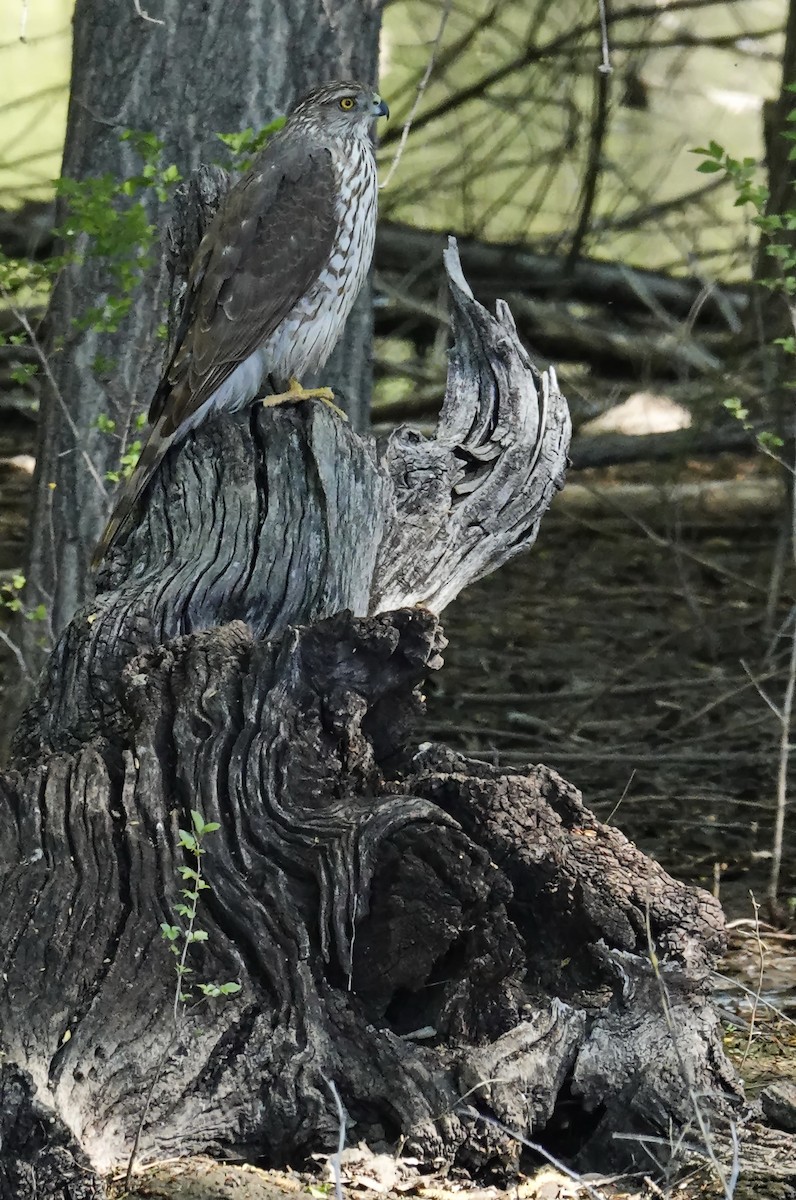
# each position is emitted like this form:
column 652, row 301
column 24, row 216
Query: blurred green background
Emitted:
column 507, row 164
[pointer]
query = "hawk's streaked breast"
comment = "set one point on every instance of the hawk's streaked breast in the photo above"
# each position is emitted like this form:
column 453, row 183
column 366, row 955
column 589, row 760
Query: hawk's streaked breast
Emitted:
column 312, row 329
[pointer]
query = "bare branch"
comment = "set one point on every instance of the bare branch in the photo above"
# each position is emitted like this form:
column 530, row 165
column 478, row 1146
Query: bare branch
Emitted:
column 420, row 91
column 605, row 65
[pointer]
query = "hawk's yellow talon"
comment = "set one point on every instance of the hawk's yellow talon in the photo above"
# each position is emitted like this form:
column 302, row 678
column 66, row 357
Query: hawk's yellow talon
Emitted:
column 296, row 392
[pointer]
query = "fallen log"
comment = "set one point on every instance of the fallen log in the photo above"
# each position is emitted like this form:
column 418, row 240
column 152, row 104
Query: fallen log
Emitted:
column 500, row 269
column 614, row 449
column 462, row 955
column 745, row 503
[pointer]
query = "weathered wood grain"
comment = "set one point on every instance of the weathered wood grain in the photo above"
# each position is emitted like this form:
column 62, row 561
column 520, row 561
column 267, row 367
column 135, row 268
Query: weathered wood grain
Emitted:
column 447, row 943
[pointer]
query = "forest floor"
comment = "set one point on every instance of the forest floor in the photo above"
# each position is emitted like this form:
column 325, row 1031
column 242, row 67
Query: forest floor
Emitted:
column 633, row 653
column 629, row 653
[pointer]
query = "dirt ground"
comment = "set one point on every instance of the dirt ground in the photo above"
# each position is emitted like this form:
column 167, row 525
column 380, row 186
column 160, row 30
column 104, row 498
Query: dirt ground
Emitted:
column 627, row 652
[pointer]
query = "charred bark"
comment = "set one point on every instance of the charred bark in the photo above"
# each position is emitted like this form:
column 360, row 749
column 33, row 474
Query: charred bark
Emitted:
column 450, row 944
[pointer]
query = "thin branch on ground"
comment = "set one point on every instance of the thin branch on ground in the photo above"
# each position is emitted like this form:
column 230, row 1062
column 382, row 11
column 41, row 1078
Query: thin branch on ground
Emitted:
column 779, row 1013
column 540, row 1150
column 336, row 1159
column 728, row 1184
column 783, row 763
column 760, row 977
column 166, row 1054
column 625, row 790
column 761, row 693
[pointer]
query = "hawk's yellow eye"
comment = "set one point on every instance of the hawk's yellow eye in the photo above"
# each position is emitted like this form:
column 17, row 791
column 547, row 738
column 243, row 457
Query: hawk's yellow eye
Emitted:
column 347, row 103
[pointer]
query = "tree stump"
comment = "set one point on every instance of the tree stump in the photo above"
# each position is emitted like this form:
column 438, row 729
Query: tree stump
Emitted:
column 460, row 952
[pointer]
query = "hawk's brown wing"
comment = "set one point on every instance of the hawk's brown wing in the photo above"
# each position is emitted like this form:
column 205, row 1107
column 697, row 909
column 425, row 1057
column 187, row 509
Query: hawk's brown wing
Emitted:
column 265, row 247
column 263, row 250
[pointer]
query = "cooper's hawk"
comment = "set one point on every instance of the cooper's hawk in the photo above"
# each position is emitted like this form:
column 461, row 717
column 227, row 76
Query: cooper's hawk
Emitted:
column 274, row 278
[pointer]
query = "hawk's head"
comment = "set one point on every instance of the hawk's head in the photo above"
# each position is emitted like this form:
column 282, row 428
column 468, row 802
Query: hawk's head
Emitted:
column 342, row 108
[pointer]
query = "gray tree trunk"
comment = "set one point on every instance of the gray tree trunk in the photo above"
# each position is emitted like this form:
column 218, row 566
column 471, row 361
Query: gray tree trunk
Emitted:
column 219, row 66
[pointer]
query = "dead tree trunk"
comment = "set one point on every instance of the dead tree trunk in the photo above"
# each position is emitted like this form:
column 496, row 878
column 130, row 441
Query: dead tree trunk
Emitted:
column 448, row 943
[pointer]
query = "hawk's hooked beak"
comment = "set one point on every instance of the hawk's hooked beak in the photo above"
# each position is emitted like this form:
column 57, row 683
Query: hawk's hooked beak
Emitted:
column 380, row 107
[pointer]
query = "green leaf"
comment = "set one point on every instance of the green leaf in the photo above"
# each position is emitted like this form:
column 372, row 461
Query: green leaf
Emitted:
column 770, row 440
column 24, row 372
column 130, row 458
column 170, row 932
column 709, row 167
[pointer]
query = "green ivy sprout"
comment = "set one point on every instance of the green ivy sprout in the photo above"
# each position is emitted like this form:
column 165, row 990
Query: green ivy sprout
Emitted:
column 104, row 423
column 181, row 937
column 246, row 144
column 11, row 599
column 322, row 1189
column 107, row 219
column 10, row 593
column 743, row 174
column 768, row 441
column 127, row 462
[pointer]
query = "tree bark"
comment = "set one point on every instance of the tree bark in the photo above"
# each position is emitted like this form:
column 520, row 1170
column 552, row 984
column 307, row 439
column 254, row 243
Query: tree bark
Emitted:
column 193, row 71
column 450, row 944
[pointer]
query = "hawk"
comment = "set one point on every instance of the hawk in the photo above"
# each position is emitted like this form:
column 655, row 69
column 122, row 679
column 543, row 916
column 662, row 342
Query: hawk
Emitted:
column 274, row 278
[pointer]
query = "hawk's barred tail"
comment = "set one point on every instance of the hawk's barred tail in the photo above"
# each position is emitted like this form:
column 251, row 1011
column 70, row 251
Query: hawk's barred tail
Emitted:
column 151, row 457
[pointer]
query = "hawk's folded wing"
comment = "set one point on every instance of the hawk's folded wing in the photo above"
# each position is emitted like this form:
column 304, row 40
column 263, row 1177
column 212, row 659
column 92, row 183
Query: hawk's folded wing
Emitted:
column 264, row 249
